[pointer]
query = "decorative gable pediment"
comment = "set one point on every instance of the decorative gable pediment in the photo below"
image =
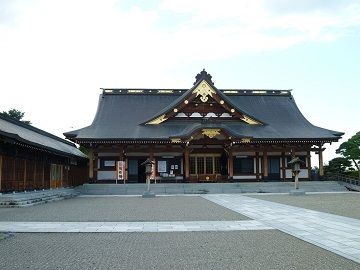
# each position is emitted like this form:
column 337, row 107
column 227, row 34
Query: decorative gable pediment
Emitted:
column 204, row 90
column 202, row 101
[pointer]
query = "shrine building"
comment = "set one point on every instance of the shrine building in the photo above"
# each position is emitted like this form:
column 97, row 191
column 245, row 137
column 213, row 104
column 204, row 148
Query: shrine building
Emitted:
column 201, row 134
column 33, row 159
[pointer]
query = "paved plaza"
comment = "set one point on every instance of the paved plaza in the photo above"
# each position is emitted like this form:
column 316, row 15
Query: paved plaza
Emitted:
column 345, row 204
column 174, row 226
column 332, row 232
column 214, row 231
column 123, row 209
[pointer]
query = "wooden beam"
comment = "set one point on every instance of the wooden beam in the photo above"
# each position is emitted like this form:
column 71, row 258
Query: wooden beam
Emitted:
column 314, row 149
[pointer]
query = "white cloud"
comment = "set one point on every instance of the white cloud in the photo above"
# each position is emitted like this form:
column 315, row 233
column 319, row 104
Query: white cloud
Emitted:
column 55, row 55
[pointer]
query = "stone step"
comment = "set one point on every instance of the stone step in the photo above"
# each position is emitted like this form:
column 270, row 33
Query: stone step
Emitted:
column 206, row 188
column 24, row 199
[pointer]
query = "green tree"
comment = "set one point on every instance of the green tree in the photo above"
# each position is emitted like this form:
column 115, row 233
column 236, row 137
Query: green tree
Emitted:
column 16, row 114
column 351, row 150
column 338, row 165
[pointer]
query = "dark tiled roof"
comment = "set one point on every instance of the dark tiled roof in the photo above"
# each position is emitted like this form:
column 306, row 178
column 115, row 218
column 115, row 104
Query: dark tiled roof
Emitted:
column 30, row 136
column 121, row 115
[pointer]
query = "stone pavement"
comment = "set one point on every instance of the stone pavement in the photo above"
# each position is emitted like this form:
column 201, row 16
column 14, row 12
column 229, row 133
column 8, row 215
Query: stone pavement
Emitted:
column 335, row 233
column 245, row 250
column 338, row 234
column 106, row 227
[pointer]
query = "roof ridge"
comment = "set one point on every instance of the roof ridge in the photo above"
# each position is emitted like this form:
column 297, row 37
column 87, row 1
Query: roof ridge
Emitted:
column 176, row 89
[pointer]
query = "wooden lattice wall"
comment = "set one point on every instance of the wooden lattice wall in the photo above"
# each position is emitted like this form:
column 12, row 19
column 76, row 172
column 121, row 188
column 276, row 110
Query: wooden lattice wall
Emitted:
column 19, row 174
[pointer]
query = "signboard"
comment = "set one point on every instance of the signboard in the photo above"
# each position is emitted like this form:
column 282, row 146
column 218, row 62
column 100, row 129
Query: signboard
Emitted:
column 120, row 170
column 161, row 166
column 109, row 163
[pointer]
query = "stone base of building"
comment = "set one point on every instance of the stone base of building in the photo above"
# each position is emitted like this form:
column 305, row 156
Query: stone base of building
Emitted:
column 297, row 192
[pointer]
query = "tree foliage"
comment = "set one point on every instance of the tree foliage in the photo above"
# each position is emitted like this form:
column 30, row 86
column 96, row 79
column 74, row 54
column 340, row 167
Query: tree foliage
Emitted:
column 16, row 114
column 351, row 150
column 338, row 165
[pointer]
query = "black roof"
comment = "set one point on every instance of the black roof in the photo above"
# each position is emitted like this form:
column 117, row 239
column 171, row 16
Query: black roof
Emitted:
column 122, row 114
column 27, row 135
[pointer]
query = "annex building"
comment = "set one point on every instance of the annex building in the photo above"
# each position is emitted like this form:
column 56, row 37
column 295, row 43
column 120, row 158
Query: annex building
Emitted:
column 33, row 159
column 200, row 134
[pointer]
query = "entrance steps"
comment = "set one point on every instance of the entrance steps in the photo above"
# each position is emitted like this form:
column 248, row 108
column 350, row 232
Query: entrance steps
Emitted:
column 208, row 188
column 30, row 198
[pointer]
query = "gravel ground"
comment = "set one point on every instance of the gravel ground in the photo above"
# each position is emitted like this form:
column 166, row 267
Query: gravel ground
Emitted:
column 343, row 204
column 200, row 250
column 181, row 208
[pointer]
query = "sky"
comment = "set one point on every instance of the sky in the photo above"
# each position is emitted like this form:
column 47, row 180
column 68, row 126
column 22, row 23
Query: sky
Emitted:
column 55, row 55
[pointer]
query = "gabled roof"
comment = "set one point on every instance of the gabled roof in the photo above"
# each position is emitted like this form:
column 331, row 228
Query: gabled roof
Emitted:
column 27, row 135
column 126, row 114
column 205, row 88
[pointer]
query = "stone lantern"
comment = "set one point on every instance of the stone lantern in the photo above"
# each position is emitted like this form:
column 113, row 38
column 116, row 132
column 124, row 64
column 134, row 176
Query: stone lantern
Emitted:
column 148, row 171
column 296, row 163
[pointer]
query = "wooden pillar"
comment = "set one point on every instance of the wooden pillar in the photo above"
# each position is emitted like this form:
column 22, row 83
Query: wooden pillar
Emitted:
column 1, row 165
column 151, row 156
column 118, row 169
column 25, row 171
column 95, row 164
column 43, row 175
column 34, row 175
column 124, row 164
column 91, row 165
column 321, row 165
column 231, row 164
column 265, row 169
column 187, row 162
column 309, row 164
column 14, row 176
column 257, row 167
column 283, row 165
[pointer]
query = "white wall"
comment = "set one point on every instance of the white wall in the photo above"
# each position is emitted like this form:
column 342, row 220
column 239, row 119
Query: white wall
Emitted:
column 106, row 175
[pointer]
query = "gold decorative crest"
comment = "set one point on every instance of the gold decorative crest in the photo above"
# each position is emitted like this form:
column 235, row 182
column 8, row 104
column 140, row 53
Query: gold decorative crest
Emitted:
column 204, row 90
column 249, row 120
column 158, row 120
column 211, row 133
column 245, row 140
column 176, row 140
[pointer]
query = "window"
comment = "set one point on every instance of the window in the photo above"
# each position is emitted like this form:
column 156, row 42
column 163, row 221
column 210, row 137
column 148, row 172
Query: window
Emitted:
column 217, row 164
column 244, row 165
column 209, row 165
column 200, row 165
column 204, row 164
column 107, row 164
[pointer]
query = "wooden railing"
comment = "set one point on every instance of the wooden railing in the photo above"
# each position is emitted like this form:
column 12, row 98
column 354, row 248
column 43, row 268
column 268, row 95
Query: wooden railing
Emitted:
column 345, row 178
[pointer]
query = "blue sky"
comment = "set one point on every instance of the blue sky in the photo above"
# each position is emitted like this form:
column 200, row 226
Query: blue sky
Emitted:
column 56, row 54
